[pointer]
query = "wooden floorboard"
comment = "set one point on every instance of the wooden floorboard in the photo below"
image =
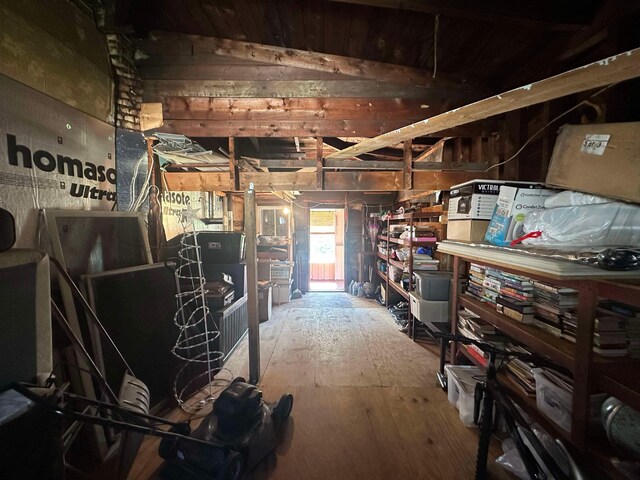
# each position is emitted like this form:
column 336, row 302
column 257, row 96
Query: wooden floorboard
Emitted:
column 366, row 405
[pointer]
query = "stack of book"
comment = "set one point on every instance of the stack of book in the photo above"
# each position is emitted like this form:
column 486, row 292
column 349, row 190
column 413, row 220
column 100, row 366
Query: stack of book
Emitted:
column 516, row 298
column 472, row 326
column 616, row 330
column 491, row 285
column 476, row 279
column 550, row 304
column 520, row 371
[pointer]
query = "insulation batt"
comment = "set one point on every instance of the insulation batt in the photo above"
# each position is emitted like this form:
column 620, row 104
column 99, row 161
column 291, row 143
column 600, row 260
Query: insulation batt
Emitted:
column 604, row 224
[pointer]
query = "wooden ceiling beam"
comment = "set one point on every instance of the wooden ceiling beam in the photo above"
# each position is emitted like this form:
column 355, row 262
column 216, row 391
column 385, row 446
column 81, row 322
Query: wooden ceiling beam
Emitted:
column 154, row 90
column 306, row 181
column 322, row 62
column 539, row 15
column 617, row 68
column 326, row 128
column 256, row 109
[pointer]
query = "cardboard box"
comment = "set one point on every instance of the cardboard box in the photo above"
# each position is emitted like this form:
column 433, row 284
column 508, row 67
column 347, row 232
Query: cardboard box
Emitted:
column 603, row 159
column 467, row 230
column 512, row 206
column 476, row 199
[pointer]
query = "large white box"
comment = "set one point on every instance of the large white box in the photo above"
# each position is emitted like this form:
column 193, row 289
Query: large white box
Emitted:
column 476, row 199
column 513, row 204
column 433, row 311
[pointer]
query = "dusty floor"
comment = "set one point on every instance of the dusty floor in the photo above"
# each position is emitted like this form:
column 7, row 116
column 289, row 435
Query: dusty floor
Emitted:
column 367, row 405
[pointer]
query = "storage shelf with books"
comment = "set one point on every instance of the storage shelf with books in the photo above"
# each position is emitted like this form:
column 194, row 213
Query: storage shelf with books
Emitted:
column 555, row 349
column 581, row 299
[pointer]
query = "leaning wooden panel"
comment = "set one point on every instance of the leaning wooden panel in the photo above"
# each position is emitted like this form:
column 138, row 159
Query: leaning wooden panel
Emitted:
column 268, row 181
column 617, row 68
column 363, row 181
column 197, row 181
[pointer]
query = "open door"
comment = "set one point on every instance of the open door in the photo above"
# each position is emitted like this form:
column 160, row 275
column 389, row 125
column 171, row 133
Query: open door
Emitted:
column 326, row 250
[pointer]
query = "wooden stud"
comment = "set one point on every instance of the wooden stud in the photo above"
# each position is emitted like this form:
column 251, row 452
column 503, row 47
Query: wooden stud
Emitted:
column 319, row 164
column 408, row 164
column 233, row 164
column 617, row 68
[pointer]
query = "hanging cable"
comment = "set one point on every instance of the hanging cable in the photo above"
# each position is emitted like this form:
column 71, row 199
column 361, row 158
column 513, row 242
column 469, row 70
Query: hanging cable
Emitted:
column 436, row 27
column 532, row 137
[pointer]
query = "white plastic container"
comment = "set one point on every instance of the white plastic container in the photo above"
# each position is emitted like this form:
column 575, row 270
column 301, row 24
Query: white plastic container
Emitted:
column 428, row 310
column 282, row 293
column 553, row 401
column 461, row 385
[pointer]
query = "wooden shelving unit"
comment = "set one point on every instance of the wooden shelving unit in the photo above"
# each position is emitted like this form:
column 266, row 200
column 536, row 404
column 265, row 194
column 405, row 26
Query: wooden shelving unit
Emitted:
column 591, row 372
column 409, row 219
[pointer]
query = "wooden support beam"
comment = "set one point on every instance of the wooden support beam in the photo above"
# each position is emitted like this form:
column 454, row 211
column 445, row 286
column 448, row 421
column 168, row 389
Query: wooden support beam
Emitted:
column 444, row 166
column 319, row 164
column 154, row 90
column 433, row 154
column 541, row 16
column 272, row 109
column 322, row 62
column 306, row 181
column 271, row 181
column 233, row 163
column 198, row 181
column 363, row 181
column 617, row 68
column 408, row 163
column 330, row 128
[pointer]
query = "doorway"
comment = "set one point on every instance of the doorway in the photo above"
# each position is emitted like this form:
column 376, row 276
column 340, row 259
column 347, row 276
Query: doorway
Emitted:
column 326, row 250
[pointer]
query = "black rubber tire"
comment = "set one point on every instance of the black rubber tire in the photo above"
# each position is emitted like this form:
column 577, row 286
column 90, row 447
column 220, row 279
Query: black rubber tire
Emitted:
column 233, row 467
column 239, row 379
column 486, row 424
column 283, row 408
column 169, row 446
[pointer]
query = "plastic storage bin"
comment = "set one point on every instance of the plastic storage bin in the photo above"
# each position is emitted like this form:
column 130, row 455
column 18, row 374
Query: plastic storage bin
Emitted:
column 282, row 292
column 281, row 271
column 433, row 285
column 428, row 310
column 461, row 386
column 551, row 400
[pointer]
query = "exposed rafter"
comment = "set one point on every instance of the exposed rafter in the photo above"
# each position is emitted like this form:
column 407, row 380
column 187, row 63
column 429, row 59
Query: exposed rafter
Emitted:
column 617, row 68
column 383, row 72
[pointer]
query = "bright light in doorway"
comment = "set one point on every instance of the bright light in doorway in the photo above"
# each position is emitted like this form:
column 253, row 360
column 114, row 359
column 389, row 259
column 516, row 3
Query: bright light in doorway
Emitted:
column 286, row 210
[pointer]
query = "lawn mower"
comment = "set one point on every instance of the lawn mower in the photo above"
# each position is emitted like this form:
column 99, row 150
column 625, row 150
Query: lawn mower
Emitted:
column 234, row 437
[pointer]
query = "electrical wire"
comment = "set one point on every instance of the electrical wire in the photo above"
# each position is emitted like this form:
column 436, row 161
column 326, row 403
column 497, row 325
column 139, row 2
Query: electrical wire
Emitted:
column 436, row 27
column 532, row 137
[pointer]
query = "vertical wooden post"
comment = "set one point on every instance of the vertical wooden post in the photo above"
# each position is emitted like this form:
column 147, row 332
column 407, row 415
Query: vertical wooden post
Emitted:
column 250, row 229
column 319, row 165
column 408, row 166
column 455, row 291
column 234, row 173
column 587, row 305
column 476, row 149
column 154, row 217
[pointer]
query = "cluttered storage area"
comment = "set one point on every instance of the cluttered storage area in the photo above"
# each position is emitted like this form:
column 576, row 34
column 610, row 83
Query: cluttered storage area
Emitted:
column 319, row 240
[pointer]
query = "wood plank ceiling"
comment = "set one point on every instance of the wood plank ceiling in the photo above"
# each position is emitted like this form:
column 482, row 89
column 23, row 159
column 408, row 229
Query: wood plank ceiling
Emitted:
column 340, row 69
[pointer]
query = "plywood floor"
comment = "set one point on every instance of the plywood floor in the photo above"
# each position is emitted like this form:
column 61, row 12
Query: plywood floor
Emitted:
column 366, row 401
